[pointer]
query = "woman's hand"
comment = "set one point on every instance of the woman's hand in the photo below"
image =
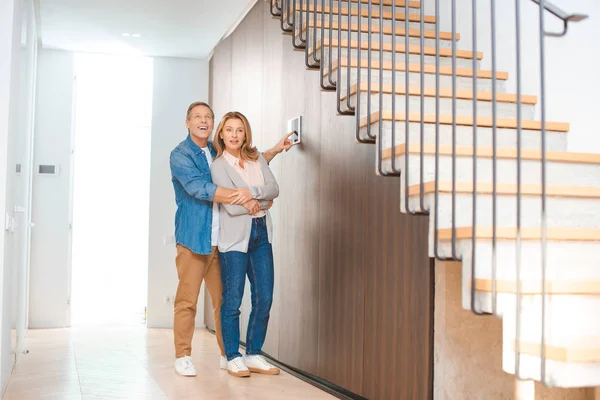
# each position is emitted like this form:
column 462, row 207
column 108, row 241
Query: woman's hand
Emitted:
column 241, row 196
column 253, row 206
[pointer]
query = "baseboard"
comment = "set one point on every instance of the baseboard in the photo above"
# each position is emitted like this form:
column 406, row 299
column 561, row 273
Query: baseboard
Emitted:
column 317, row 382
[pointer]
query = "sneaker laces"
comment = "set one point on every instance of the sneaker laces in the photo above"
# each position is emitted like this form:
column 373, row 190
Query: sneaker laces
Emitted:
column 187, row 360
column 237, row 363
column 264, row 362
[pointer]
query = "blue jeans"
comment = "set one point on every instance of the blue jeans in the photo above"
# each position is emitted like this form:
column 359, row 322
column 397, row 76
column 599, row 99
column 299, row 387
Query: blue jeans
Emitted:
column 257, row 263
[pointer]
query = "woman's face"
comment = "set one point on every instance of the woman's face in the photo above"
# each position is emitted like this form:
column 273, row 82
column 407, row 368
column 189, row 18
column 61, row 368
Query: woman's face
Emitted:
column 233, row 135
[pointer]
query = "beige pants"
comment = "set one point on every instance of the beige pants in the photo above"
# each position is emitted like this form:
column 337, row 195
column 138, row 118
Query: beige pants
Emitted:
column 192, row 269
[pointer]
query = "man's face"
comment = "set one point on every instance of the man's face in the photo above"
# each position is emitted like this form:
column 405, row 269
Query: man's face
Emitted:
column 201, row 122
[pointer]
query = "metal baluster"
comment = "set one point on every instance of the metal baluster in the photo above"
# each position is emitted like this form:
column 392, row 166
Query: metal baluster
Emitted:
column 407, row 109
column 349, row 107
column 331, row 86
column 422, row 159
column 317, row 60
column 474, row 223
column 298, row 26
column 293, row 14
column 303, row 37
column 395, row 170
column 454, row 252
column 359, row 79
column 275, row 10
column 285, row 16
column 369, row 68
column 544, row 215
column 380, row 134
column 518, row 241
column 437, row 133
column 339, row 70
column 332, row 83
column 494, row 164
column 315, row 63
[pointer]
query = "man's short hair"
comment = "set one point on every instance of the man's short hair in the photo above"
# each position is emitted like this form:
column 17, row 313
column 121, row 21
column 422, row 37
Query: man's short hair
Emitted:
column 196, row 104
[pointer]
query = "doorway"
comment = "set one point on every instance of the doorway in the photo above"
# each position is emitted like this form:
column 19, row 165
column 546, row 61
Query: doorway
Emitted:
column 111, row 186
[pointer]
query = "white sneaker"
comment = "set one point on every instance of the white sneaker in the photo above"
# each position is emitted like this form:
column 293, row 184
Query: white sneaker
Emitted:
column 223, row 363
column 236, row 367
column 259, row 364
column 184, row 366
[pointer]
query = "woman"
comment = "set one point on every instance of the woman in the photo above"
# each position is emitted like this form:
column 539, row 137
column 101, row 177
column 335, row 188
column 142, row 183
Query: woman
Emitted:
column 244, row 243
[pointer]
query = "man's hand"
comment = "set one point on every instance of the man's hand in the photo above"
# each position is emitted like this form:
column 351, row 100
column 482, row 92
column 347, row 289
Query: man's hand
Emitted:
column 253, row 206
column 285, row 143
column 269, row 205
column 240, row 196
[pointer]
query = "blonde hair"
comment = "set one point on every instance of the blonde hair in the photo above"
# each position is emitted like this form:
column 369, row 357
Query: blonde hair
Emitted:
column 247, row 152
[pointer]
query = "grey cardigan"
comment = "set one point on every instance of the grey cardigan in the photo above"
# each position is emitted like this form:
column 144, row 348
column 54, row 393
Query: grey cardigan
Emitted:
column 235, row 224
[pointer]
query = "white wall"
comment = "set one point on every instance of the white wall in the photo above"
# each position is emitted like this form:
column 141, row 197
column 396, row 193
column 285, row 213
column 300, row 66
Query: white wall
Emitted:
column 572, row 62
column 9, row 61
column 50, row 270
column 177, row 84
column 17, row 64
column 24, row 180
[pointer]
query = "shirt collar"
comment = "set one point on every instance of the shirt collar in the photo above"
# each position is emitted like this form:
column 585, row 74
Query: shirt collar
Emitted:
column 232, row 160
column 197, row 150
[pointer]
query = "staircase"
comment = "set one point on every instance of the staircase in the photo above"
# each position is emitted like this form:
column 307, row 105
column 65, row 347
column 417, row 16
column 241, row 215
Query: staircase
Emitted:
column 472, row 157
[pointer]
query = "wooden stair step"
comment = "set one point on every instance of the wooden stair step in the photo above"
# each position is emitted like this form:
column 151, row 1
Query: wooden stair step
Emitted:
column 484, row 122
column 400, row 48
column 444, row 93
column 387, row 30
column 387, row 15
column 501, row 153
column 399, row 3
column 583, row 192
column 585, row 352
column 510, row 233
column 534, row 287
column 416, row 68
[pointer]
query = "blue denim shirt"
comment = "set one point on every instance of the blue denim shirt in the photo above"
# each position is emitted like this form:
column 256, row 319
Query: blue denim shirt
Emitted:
column 194, row 192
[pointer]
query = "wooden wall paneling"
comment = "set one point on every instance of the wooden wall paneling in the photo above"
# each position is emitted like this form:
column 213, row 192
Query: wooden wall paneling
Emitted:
column 300, row 217
column 342, row 256
column 220, row 99
column 221, row 84
column 416, row 322
column 398, row 293
column 246, row 71
column 273, row 128
column 353, row 282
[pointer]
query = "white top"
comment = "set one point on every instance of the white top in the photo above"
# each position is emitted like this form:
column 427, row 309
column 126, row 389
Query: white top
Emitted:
column 214, row 237
column 251, row 173
column 236, row 224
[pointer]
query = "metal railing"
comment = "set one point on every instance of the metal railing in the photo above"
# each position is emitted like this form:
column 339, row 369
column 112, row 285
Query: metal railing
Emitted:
column 295, row 17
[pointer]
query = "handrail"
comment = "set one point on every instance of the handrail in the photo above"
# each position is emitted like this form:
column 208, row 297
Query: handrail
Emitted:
column 560, row 14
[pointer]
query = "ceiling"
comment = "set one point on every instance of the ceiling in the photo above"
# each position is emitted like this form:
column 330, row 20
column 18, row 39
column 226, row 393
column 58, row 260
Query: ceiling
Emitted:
column 168, row 28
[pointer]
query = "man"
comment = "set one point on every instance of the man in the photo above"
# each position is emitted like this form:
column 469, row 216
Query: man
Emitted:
column 197, row 228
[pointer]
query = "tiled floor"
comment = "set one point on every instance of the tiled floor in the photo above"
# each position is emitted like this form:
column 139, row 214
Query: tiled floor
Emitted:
column 135, row 364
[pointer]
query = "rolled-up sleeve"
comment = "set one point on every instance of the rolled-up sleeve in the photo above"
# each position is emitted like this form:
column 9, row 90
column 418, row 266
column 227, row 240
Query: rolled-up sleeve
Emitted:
column 195, row 182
